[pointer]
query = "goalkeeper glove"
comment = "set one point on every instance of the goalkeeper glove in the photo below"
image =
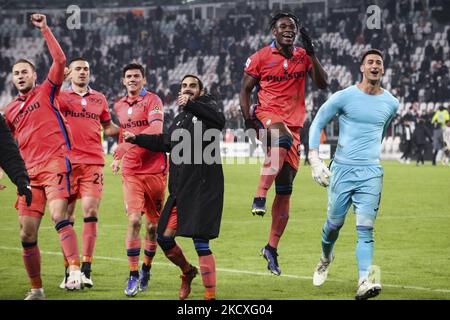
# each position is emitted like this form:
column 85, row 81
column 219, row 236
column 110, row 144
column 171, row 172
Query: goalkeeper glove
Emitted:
column 320, row 173
column 24, row 189
column 307, row 42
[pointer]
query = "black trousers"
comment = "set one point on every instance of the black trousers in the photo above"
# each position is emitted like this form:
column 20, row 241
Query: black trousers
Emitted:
column 408, row 150
column 420, row 152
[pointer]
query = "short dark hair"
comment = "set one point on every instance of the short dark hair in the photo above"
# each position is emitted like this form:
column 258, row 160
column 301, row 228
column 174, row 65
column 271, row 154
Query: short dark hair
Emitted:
column 77, row 59
column 371, row 51
column 133, row 66
column 280, row 15
column 200, row 83
column 33, row 67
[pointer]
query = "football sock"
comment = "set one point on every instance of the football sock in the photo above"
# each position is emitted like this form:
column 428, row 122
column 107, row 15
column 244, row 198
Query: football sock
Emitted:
column 146, row 267
column 86, row 269
column 149, row 252
column 208, row 272
column 133, row 251
column 177, row 257
column 134, row 273
column 280, row 217
column 272, row 166
column 330, row 233
column 66, row 263
column 89, row 238
column 364, row 250
column 32, row 260
column 69, row 242
column 202, row 246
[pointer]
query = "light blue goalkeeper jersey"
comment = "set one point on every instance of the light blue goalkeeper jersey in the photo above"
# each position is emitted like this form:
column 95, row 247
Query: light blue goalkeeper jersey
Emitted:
column 363, row 119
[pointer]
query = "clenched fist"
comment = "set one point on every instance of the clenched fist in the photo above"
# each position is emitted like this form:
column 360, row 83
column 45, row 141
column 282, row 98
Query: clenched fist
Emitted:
column 39, row 20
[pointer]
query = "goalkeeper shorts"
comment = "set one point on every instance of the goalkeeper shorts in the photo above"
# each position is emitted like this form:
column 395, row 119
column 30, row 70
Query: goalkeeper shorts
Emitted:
column 357, row 185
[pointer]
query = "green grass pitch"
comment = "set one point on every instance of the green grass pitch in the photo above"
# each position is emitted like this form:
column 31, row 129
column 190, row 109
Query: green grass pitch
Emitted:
column 412, row 242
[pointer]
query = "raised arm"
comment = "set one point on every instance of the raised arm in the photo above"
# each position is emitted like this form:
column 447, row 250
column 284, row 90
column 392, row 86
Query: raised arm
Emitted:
column 316, row 71
column 56, row 73
column 318, row 74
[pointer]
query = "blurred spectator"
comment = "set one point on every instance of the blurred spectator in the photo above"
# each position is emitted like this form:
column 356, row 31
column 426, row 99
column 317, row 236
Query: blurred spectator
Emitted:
column 406, row 143
column 304, row 138
column 420, row 136
column 441, row 116
column 438, row 141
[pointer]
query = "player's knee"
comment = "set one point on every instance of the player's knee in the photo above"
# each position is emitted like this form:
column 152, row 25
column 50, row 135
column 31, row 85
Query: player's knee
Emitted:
column 58, row 217
column 365, row 234
column 166, row 243
column 28, row 236
column 334, row 224
column 283, row 189
column 151, row 228
column 134, row 221
column 365, row 220
column 330, row 230
column 202, row 247
column 90, row 211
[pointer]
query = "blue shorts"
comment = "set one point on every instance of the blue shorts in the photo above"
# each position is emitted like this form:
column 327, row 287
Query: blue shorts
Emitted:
column 360, row 185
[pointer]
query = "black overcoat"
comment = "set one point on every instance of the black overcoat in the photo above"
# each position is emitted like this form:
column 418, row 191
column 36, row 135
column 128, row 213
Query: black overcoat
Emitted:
column 196, row 186
column 10, row 159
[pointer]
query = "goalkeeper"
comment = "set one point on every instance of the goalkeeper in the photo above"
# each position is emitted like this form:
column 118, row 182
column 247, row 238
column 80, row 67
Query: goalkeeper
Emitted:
column 365, row 111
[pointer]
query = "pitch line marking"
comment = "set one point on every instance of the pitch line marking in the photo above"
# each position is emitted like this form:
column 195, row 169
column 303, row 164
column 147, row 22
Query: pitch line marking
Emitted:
column 243, row 271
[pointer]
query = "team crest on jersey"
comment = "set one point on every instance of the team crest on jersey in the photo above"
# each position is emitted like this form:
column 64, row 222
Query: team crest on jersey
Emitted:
column 156, row 110
column 247, row 63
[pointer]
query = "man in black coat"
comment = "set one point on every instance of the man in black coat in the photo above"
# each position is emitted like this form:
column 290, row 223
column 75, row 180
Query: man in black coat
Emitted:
column 420, row 136
column 11, row 161
column 196, row 186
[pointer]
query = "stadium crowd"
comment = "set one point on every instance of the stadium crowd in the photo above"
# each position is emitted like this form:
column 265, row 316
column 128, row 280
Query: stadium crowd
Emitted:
column 416, row 49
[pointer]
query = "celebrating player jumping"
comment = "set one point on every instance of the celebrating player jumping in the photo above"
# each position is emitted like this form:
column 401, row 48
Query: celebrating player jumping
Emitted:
column 280, row 70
